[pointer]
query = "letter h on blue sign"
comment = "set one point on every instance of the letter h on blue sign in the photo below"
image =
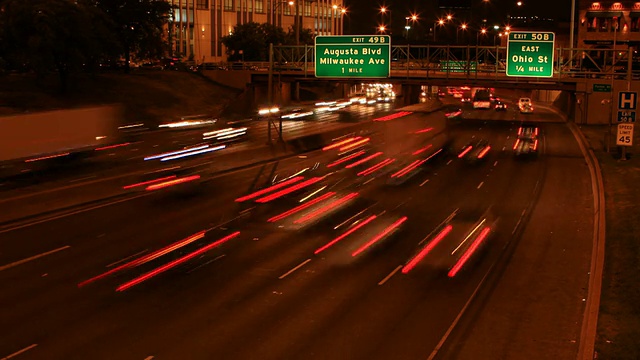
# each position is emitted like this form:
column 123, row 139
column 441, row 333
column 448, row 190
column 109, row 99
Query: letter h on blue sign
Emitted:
column 627, row 100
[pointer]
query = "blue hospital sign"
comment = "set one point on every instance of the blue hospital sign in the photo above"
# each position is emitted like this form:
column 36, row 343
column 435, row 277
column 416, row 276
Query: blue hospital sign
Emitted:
column 627, row 100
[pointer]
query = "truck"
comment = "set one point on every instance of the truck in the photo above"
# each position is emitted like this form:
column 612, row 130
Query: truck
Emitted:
column 40, row 140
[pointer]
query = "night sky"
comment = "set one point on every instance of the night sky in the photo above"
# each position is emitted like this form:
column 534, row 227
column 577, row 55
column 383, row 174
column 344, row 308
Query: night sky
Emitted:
column 364, row 15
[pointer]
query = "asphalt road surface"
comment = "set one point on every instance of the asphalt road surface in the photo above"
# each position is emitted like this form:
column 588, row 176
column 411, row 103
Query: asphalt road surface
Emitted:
column 245, row 287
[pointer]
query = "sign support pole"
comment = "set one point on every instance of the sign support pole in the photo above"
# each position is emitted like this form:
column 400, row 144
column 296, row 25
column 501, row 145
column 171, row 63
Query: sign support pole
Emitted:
column 270, row 92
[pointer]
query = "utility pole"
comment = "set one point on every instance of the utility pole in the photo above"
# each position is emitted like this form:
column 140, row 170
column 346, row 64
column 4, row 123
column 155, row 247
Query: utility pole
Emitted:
column 297, row 23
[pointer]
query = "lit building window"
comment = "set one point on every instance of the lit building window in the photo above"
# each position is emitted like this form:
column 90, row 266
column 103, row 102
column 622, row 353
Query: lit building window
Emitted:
column 202, row 4
column 596, row 6
column 260, row 6
column 228, row 5
column 635, row 23
column 616, row 6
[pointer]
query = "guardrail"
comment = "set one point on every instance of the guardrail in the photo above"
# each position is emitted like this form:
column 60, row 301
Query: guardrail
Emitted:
column 460, row 61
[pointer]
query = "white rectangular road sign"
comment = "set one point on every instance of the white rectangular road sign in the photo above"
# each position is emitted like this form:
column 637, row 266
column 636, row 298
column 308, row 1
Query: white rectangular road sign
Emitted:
column 627, row 100
column 625, row 135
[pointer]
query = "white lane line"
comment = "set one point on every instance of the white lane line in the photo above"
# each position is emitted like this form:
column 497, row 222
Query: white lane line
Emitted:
column 294, row 269
column 495, row 163
column 83, row 178
column 207, row 263
column 519, row 220
column 390, row 275
column 424, row 182
column 479, row 186
column 127, row 258
column 148, row 358
column 449, row 162
column 19, row 352
column 457, row 319
column 504, row 148
column 64, row 215
column 20, row 262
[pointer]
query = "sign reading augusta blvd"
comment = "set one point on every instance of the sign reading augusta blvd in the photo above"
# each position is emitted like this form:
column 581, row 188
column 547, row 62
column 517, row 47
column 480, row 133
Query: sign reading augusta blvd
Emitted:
column 530, row 54
column 355, row 56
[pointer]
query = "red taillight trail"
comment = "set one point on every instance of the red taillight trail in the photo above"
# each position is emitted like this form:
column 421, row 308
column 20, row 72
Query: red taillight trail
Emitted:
column 269, row 189
column 165, row 184
column 420, row 151
column 340, row 143
column 377, row 238
column 326, row 208
column 424, row 130
column 289, row 190
column 376, row 167
column 154, row 255
column 484, row 152
column 465, row 151
column 515, row 146
column 467, row 254
column 176, row 262
column 355, row 144
column 301, row 207
column 427, row 249
column 346, row 158
column 345, row 234
column 149, row 182
column 361, row 161
column 112, row 146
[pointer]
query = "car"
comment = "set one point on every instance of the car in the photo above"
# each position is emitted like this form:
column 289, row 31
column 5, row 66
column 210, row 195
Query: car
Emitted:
column 526, row 109
column 525, row 147
column 475, row 151
column 466, row 100
column 457, row 95
column 528, row 131
column 524, row 101
column 500, row 106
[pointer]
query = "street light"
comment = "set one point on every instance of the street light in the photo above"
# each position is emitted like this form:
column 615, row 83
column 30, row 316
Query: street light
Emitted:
column 482, row 31
column 519, row 3
column 382, row 28
column 413, row 18
column 462, row 27
column 383, row 12
column 274, row 13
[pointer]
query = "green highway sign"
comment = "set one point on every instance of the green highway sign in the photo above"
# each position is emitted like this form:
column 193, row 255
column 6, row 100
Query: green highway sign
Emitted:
column 601, row 87
column 530, row 54
column 353, row 56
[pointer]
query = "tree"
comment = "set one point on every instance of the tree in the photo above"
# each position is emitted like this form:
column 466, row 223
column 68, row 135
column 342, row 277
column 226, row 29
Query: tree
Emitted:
column 45, row 35
column 253, row 40
column 138, row 25
column 306, row 36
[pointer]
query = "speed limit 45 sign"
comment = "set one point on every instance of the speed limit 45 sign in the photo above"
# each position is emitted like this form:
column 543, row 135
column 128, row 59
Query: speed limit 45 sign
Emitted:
column 625, row 135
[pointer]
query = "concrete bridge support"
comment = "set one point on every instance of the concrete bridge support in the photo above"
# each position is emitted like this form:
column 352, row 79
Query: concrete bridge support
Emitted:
column 411, row 94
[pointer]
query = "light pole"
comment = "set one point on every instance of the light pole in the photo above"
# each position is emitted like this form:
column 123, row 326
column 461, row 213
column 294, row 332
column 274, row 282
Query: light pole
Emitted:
column 383, row 12
column 440, row 23
column 462, row 27
column 382, row 29
column 482, row 31
column 413, row 18
column 334, row 7
column 343, row 11
column 571, row 31
column 274, row 12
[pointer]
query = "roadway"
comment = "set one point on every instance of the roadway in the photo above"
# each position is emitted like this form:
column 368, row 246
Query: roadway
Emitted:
column 264, row 294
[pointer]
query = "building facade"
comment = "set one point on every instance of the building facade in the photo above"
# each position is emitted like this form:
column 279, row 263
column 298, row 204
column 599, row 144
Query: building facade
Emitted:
column 601, row 24
column 196, row 27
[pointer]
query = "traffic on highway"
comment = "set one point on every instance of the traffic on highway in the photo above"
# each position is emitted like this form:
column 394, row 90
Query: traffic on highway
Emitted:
column 370, row 243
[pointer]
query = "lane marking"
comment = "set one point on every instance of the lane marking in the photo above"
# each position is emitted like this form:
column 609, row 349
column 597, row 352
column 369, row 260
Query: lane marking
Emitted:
column 451, row 216
column 449, row 162
column 504, row 148
column 390, row 275
column 294, row 269
column 495, row 163
column 519, row 220
column 83, row 178
column 64, row 215
column 20, row 262
column 457, row 319
column 426, row 181
column 19, row 352
column 148, row 357
column 207, row 263
column 127, row 258
column 479, row 186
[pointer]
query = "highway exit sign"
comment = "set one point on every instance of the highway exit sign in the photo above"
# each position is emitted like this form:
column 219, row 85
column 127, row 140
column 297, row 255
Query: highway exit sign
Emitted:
column 353, row 56
column 530, row 54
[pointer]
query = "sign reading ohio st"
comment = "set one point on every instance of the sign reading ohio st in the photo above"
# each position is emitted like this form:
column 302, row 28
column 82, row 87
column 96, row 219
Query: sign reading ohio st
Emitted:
column 530, row 54
column 353, row 56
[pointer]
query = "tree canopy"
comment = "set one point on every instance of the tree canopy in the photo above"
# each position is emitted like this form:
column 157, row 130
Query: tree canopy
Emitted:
column 64, row 35
column 250, row 41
